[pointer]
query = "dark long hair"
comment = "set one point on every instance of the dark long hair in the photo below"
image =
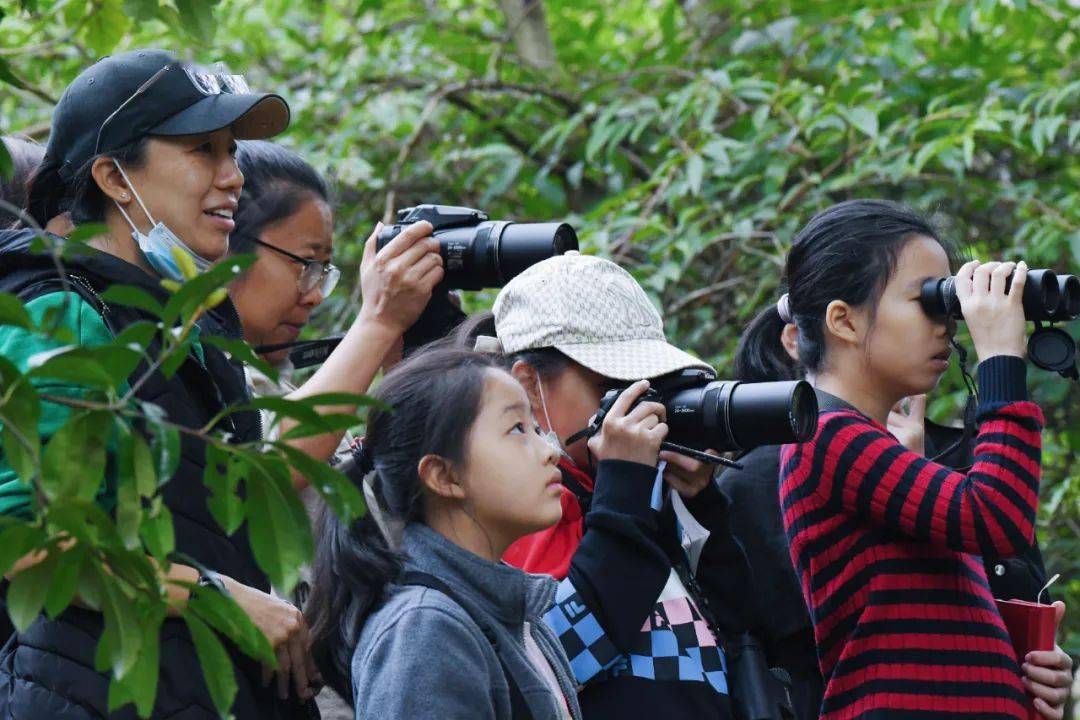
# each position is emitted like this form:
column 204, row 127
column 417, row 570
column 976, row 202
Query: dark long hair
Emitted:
column 26, row 156
column 435, row 397
column 276, row 182
column 847, row 252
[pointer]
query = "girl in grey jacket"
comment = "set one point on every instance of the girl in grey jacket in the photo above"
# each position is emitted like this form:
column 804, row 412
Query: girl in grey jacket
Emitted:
column 412, row 613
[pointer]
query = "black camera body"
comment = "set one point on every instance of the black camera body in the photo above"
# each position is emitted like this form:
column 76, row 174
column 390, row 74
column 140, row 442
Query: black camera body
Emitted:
column 1048, row 297
column 481, row 253
column 728, row 415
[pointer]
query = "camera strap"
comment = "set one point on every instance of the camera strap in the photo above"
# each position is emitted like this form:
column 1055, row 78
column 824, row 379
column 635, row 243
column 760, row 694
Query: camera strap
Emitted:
column 598, row 420
column 304, row 353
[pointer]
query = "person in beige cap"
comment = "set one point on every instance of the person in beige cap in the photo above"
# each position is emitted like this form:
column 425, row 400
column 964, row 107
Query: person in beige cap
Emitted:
column 632, row 616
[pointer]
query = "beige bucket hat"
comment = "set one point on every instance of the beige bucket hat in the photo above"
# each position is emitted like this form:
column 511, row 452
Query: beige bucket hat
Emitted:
column 591, row 310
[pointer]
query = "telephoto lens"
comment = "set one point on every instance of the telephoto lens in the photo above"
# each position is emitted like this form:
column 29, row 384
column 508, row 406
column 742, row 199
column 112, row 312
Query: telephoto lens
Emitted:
column 1042, row 296
column 480, row 253
column 728, row 415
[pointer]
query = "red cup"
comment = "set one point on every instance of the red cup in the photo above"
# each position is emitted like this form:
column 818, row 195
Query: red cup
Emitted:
column 1031, row 627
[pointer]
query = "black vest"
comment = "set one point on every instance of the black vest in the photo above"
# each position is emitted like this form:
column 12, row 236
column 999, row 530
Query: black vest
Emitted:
column 48, row 671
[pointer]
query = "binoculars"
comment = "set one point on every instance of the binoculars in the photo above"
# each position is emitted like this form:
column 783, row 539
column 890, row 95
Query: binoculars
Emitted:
column 1048, row 297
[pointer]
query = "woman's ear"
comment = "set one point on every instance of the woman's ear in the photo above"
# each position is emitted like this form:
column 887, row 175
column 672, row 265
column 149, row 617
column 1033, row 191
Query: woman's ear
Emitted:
column 437, row 475
column 844, row 323
column 110, row 180
column 526, row 374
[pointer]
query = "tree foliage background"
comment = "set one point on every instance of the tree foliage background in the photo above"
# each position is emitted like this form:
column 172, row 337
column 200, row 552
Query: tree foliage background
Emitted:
column 688, row 140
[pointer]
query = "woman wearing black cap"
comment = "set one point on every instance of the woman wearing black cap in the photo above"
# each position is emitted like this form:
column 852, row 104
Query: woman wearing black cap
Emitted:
column 145, row 144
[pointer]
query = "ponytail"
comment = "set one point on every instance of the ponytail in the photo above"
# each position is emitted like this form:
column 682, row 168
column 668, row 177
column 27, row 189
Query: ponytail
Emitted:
column 760, row 355
column 354, row 563
column 47, row 195
column 432, row 401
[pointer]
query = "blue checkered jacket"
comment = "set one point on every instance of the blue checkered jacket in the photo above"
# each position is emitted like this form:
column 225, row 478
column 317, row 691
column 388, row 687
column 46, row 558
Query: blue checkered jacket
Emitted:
column 636, row 638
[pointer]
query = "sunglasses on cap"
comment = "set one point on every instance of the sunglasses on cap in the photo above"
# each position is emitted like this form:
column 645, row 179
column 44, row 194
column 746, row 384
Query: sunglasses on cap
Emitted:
column 202, row 80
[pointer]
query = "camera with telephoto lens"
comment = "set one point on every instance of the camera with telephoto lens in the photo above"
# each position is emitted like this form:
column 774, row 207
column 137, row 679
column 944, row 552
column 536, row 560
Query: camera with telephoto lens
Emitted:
column 480, row 253
column 1048, row 297
column 728, row 415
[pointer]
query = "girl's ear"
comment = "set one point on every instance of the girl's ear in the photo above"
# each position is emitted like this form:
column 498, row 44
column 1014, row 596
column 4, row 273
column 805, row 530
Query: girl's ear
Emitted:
column 789, row 338
column 437, row 475
column 526, row 374
column 844, row 323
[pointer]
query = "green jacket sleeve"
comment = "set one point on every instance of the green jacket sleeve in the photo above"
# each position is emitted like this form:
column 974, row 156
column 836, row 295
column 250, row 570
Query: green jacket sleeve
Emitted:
column 18, row 346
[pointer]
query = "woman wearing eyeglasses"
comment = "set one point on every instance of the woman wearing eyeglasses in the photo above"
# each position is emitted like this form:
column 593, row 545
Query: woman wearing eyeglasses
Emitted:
column 143, row 145
column 285, row 218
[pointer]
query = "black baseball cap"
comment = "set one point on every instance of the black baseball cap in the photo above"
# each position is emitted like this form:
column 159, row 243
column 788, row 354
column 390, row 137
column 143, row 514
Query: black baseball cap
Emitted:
column 122, row 98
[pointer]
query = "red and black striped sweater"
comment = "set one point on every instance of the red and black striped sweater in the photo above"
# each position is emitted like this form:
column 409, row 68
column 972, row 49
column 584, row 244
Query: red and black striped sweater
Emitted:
column 885, row 543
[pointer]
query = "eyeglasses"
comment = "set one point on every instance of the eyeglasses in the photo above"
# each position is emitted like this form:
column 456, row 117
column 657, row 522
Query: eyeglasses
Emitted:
column 316, row 273
column 206, row 82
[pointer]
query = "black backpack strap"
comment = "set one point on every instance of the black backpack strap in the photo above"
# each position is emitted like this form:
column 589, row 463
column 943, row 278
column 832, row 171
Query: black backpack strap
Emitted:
column 519, row 710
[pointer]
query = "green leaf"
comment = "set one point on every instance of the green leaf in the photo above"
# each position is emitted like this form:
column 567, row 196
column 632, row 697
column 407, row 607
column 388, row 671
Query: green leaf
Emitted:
column 131, row 296
column 16, row 540
column 165, row 449
column 77, row 365
column 695, row 172
column 106, row 24
column 119, row 645
column 157, row 532
column 217, row 667
column 12, row 311
column 26, row 594
column 193, row 292
column 225, row 616
column 21, row 442
column 241, row 351
column 328, row 422
column 277, row 523
column 73, row 464
column 139, row 686
column 64, row 580
column 222, row 476
column 128, row 512
column 7, row 165
column 336, row 489
column 865, row 120
column 143, row 467
column 197, row 18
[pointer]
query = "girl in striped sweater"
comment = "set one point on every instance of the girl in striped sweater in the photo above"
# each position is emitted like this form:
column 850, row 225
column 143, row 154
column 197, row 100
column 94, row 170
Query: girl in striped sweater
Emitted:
column 885, row 542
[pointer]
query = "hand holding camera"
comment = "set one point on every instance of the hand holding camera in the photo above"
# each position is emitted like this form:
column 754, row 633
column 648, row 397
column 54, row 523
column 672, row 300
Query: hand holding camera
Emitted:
column 631, row 432
column 991, row 298
column 397, row 280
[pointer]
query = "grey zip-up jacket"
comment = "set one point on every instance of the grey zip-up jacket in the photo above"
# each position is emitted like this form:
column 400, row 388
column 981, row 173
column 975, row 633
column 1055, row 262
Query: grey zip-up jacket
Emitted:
column 421, row 656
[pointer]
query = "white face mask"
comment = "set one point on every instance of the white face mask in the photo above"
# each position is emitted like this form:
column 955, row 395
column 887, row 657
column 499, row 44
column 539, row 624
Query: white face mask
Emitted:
column 158, row 244
column 549, row 435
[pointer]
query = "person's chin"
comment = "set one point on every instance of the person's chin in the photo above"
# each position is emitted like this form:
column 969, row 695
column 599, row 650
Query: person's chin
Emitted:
column 211, row 246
